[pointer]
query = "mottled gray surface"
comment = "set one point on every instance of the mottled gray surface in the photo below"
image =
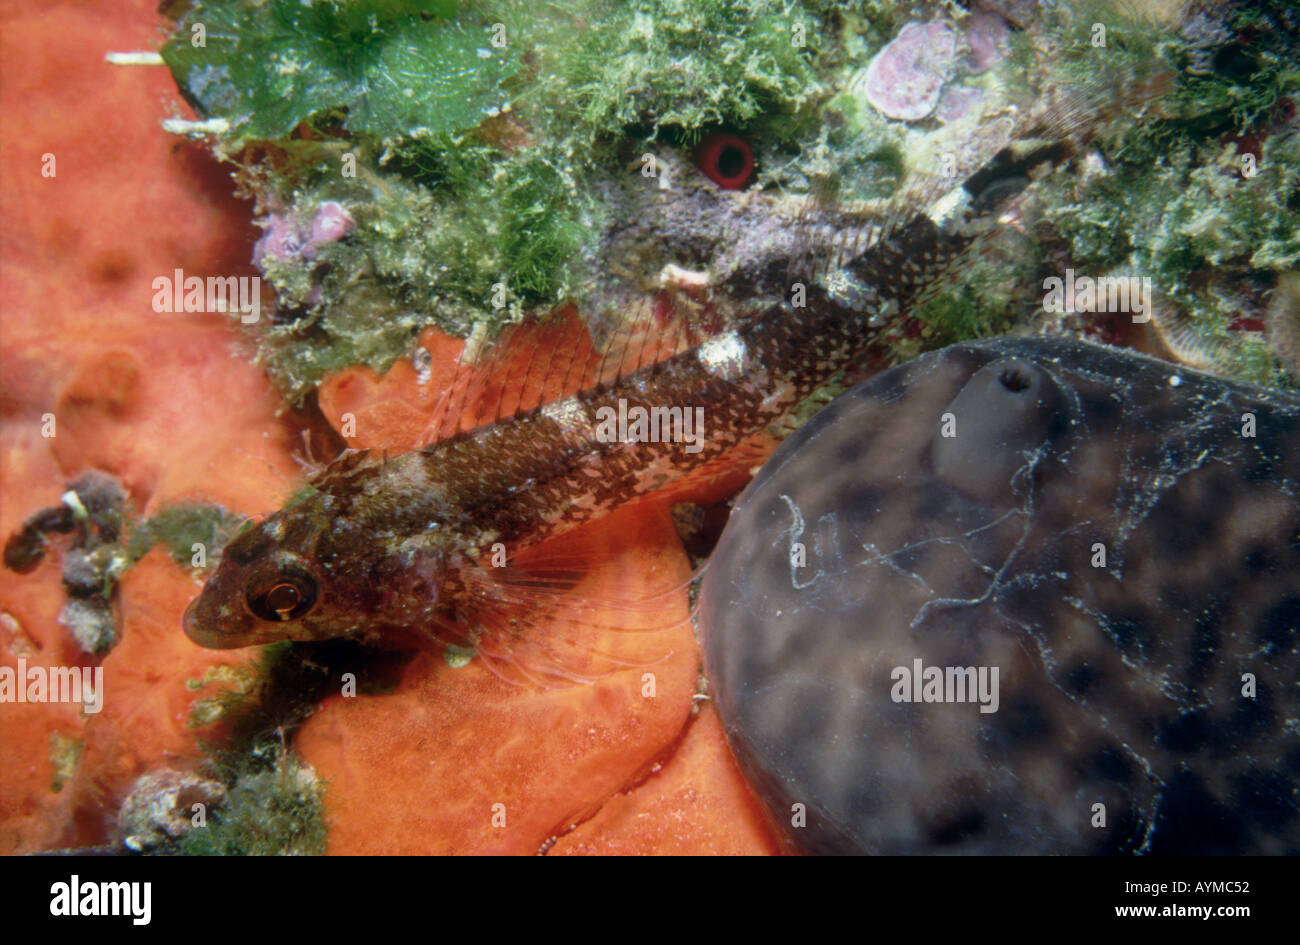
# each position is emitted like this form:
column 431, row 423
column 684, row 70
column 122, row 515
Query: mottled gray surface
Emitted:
column 1119, row 685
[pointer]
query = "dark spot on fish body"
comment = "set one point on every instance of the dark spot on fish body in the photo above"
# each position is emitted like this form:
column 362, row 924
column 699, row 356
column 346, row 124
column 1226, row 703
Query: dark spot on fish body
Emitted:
column 248, row 546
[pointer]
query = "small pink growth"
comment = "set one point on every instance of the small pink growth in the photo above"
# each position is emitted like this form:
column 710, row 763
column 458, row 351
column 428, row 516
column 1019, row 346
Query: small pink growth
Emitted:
column 331, row 224
column 957, row 101
column 285, row 239
column 281, row 240
column 987, row 35
column 905, row 78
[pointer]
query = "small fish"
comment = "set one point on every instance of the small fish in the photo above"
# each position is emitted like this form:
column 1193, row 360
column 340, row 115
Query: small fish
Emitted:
column 408, row 540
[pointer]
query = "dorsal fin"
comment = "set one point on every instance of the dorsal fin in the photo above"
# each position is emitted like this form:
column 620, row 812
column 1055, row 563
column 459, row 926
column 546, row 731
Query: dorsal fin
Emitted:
column 337, row 473
column 547, row 358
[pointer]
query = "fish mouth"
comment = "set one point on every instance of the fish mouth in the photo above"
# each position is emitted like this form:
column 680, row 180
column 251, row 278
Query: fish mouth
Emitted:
column 203, row 627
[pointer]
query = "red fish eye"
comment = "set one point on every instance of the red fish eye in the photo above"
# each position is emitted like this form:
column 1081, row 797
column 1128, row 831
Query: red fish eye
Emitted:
column 726, row 159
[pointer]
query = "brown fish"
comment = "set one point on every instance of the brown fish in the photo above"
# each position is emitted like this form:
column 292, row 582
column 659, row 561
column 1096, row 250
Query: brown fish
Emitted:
column 412, row 540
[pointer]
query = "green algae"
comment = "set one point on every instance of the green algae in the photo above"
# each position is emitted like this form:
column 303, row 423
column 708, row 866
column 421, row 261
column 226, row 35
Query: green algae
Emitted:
column 267, row 67
column 475, row 212
column 277, row 812
column 1200, row 195
column 274, row 802
column 693, row 64
column 65, row 756
column 182, row 526
column 989, row 296
column 471, row 218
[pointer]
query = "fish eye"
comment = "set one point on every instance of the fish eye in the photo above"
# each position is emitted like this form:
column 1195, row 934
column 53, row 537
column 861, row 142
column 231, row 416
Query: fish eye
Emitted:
column 726, row 159
column 284, row 594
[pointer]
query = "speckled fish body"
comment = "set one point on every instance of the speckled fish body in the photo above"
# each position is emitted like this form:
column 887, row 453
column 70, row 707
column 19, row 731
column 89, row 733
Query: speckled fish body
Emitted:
column 399, row 540
column 1117, row 537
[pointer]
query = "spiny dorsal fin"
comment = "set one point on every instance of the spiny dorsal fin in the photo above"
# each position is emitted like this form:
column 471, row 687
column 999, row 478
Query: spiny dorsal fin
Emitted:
column 544, row 359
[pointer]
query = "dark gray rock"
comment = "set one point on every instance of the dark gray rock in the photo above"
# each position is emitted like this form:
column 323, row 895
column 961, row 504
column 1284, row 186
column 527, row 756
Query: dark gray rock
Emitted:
column 1124, row 684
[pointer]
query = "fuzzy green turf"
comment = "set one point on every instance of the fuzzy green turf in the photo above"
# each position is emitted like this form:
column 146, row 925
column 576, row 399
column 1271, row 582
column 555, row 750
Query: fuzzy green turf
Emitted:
column 458, row 225
column 475, row 162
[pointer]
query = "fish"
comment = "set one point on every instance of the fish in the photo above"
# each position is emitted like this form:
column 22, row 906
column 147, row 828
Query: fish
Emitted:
column 445, row 538
column 403, row 539
column 1028, row 595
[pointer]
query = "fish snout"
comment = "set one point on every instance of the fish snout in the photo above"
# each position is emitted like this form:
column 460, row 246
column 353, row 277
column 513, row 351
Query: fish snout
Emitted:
column 212, row 624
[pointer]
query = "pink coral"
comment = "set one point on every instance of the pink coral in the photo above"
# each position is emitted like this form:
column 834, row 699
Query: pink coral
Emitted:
column 956, row 102
column 331, row 223
column 285, row 238
column 987, row 35
column 905, row 78
column 281, row 240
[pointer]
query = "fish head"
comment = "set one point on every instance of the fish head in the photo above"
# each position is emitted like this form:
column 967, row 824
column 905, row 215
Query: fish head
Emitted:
column 299, row 575
column 267, row 588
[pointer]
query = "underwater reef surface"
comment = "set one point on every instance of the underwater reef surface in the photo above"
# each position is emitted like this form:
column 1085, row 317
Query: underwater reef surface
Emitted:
column 1020, row 596
column 166, row 405
column 506, row 181
column 132, row 394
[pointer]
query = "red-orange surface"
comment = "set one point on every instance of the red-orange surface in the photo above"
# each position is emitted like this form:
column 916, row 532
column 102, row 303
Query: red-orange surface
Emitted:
column 168, row 404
